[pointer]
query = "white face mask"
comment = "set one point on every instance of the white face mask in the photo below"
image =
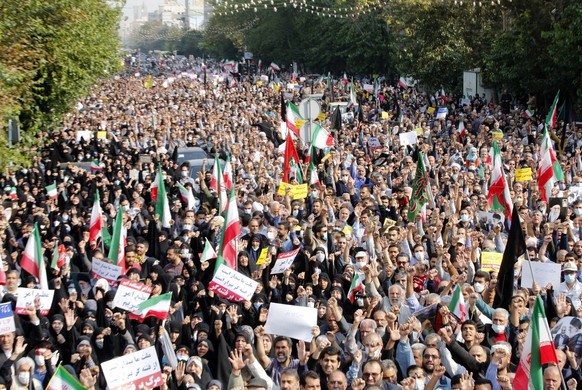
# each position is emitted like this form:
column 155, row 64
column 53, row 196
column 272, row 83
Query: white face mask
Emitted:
column 498, row 329
column 271, row 235
column 24, row 377
column 464, row 218
column 418, row 384
column 419, row 256
column 479, row 287
column 320, row 257
column 39, row 360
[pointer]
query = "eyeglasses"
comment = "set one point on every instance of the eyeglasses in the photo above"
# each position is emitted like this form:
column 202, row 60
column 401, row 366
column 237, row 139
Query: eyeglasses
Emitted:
column 371, row 374
column 433, row 357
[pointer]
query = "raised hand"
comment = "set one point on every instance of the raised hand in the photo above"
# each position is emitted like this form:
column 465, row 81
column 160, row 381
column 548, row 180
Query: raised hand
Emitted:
column 236, row 360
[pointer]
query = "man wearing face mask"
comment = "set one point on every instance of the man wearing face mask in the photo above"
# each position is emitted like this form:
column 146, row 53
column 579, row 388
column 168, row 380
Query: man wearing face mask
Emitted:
column 24, row 368
column 571, row 286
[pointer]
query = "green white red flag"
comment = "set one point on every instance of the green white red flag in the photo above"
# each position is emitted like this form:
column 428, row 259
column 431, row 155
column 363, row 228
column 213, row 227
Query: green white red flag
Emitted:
column 63, row 380
column 230, row 232
column 51, row 191
column 208, row 252
column 187, row 196
column 227, row 175
column 32, row 260
column 457, row 305
column 291, row 118
column 322, row 138
column 96, row 223
column 59, row 256
column 118, row 241
column 157, row 307
column 291, row 158
column 95, row 166
column 552, row 117
column 162, row 204
column 549, row 169
column 498, row 196
column 217, row 184
column 356, row 285
column 538, row 350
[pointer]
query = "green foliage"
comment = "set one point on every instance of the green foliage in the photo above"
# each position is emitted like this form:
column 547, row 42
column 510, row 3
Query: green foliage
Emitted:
column 52, row 53
column 156, row 35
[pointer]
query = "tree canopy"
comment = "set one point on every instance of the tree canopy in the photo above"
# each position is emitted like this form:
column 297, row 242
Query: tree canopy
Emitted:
column 52, row 53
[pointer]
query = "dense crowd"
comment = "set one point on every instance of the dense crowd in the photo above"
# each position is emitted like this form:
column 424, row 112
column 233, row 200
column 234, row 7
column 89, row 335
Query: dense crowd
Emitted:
column 354, row 220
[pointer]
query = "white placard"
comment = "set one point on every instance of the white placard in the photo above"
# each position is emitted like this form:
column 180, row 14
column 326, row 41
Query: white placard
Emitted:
column 284, row 261
column 27, row 296
column 232, row 285
column 137, row 370
column 7, row 324
column 442, row 113
column 86, row 135
column 292, row 321
column 103, row 270
column 130, row 294
column 409, row 138
column 368, row 87
column 543, row 273
column 374, row 143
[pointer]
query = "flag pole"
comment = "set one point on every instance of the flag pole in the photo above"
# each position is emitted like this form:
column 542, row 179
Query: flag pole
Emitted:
column 533, row 278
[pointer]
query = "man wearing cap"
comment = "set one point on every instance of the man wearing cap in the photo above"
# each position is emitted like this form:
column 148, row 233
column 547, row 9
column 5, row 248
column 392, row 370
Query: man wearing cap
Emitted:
column 571, row 286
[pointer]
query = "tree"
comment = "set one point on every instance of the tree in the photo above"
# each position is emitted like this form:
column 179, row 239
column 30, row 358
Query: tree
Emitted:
column 52, row 53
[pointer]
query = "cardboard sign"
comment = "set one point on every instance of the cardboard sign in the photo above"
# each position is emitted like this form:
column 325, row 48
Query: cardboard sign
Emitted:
column 430, row 110
column 384, row 115
column 497, row 135
column 284, row 261
column 523, row 174
column 543, row 273
column 374, row 143
column 103, row 270
column 292, row 321
column 28, row 296
column 232, row 285
column 297, row 191
column 490, row 261
column 410, row 138
column 263, row 256
column 7, row 324
column 138, row 370
column 130, row 294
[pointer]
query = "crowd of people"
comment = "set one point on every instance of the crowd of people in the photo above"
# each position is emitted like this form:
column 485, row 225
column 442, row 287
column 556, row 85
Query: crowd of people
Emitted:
column 353, row 220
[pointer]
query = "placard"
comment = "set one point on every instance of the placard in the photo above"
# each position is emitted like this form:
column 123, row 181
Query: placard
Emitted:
column 27, row 297
column 130, row 294
column 263, row 256
column 384, row 115
column 292, row 321
column 410, row 138
column 137, row 370
column 442, row 113
column 296, row 192
column 86, row 135
column 284, row 261
column 103, row 270
column 232, row 285
column 430, row 110
column 523, row 174
column 497, row 135
column 374, row 143
column 7, row 324
column 490, row 261
column 543, row 273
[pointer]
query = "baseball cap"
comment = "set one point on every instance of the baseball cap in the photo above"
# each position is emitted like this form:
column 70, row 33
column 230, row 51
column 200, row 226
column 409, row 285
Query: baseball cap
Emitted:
column 570, row 266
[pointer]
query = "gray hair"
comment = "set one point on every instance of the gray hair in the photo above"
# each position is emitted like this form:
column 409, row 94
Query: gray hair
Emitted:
column 24, row 361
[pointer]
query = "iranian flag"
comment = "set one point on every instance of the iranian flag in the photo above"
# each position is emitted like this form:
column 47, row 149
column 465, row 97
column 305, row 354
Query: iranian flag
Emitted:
column 549, row 170
column 230, row 233
column 227, row 175
column 63, row 380
column 96, row 224
column 157, row 307
column 32, row 260
column 217, row 184
column 498, row 196
column 187, row 196
column 208, row 252
column 95, row 166
column 162, row 204
column 59, row 256
column 353, row 101
column 322, row 138
column 118, row 241
column 537, row 351
column 457, row 305
column 313, row 176
column 443, row 95
column 290, row 157
column 51, row 191
column 552, row 118
column 357, row 285
column 529, row 113
column 156, row 183
column 13, row 194
column 402, row 84
column 275, row 67
column 292, row 118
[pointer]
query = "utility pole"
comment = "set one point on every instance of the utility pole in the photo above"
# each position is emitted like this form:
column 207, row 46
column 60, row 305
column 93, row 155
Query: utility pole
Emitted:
column 187, row 16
